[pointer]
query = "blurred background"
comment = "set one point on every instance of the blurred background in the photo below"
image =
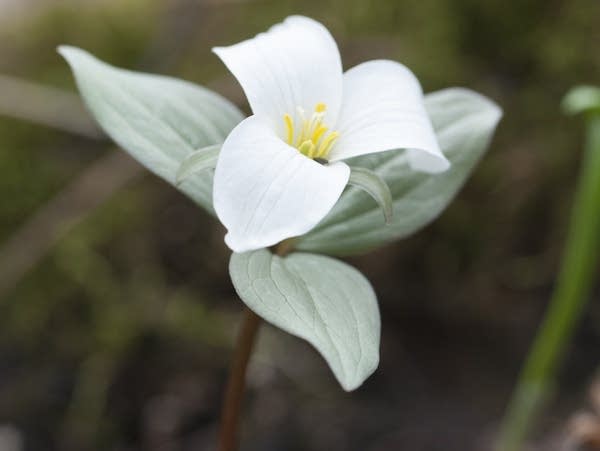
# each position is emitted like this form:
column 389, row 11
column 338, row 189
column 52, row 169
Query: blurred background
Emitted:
column 117, row 316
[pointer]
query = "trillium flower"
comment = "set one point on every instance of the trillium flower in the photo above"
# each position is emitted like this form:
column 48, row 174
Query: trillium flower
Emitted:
column 281, row 170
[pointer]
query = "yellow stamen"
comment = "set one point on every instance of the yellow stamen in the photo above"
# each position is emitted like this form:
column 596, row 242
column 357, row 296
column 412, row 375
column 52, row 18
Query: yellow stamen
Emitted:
column 303, row 133
column 317, row 117
column 307, row 148
column 327, row 144
column 318, row 133
column 289, row 128
column 313, row 138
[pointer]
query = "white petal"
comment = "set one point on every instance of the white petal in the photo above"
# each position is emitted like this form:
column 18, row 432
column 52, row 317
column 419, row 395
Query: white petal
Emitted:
column 266, row 191
column 295, row 64
column 382, row 110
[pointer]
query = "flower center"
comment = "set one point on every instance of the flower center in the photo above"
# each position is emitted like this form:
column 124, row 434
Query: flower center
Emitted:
column 312, row 138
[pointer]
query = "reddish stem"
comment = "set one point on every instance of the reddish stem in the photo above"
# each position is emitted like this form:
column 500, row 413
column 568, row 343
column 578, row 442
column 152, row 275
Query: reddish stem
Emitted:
column 230, row 415
column 234, row 393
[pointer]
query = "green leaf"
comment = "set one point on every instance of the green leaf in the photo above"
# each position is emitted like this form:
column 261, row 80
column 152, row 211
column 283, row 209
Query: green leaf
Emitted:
column 464, row 122
column 198, row 161
column 375, row 187
column 158, row 120
column 582, row 99
column 322, row 300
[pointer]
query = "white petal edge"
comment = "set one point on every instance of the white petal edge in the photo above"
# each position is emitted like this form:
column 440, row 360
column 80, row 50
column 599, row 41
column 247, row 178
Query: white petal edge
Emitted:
column 294, row 64
column 383, row 109
column 266, row 191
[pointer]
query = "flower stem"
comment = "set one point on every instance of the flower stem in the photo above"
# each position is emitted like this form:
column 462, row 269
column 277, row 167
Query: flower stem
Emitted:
column 234, row 393
column 566, row 306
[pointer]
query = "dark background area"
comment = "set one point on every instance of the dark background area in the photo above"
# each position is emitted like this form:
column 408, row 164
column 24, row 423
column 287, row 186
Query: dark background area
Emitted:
column 117, row 316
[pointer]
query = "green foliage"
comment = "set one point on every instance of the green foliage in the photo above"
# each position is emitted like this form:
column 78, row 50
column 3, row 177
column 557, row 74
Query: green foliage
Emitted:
column 160, row 121
column 324, row 301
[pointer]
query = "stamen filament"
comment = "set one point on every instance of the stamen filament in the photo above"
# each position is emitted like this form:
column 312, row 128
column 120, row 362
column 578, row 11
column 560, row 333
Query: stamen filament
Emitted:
column 327, row 144
column 303, row 133
column 307, row 148
column 289, row 127
column 318, row 133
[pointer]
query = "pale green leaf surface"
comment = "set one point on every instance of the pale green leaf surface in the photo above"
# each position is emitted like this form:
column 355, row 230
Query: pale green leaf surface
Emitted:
column 464, row 123
column 157, row 120
column 322, row 300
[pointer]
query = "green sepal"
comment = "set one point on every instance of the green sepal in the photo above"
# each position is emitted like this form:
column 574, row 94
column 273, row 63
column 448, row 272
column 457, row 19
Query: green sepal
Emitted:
column 200, row 160
column 374, row 186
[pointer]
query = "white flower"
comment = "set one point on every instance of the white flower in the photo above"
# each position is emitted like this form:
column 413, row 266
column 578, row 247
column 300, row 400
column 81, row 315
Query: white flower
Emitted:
column 280, row 171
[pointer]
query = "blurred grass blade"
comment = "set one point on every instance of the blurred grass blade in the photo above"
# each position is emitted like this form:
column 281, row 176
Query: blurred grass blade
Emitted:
column 374, row 186
column 30, row 243
column 566, row 306
column 582, row 99
column 45, row 105
column 198, row 161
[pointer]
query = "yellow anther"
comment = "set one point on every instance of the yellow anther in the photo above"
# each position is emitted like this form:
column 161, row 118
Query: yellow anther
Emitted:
column 327, row 144
column 307, row 148
column 318, row 133
column 289, row 128
column 320, row 108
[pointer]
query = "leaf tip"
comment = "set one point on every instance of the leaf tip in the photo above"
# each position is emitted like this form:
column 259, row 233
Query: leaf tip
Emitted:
column 376, row 187
column 180, row 177
column 75, row 56
column 387, row 208
column 67, row 51
column 387, row 217
column 349, row 385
